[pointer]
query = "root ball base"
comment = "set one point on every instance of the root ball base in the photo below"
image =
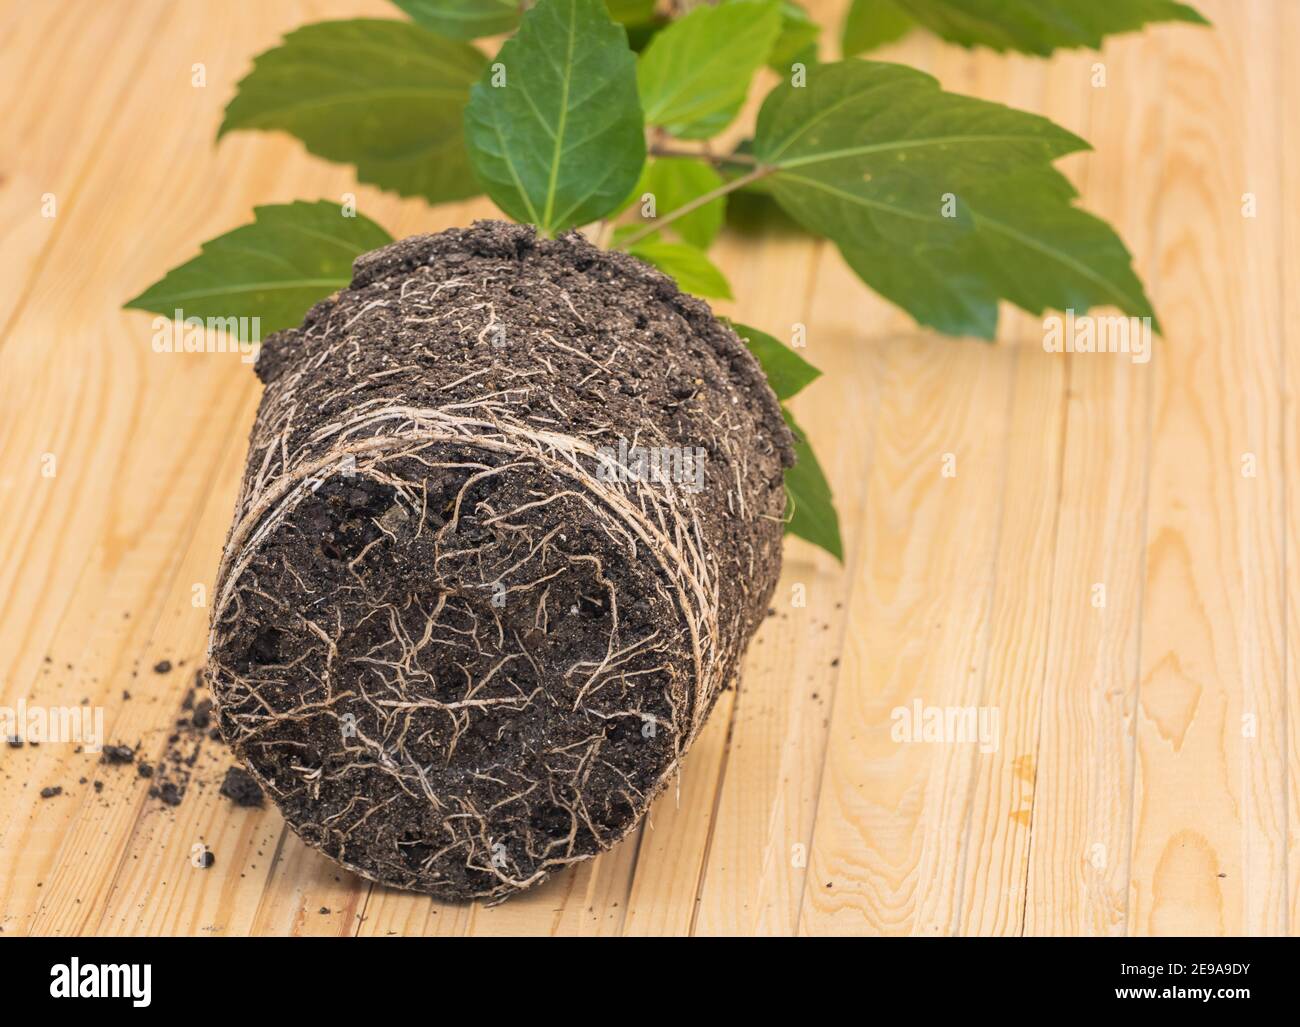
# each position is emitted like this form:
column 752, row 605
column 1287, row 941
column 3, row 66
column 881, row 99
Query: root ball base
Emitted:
column 455, row 649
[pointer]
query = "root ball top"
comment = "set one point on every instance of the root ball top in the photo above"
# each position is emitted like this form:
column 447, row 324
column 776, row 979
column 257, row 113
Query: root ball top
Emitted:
column 511, row 513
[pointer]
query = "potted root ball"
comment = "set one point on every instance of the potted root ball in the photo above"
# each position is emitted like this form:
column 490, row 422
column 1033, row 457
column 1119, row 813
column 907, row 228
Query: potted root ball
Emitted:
column 512, row 510
column 515, row 497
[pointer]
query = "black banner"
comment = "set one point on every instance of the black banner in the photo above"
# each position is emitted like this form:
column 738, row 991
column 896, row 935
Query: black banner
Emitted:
column 544, row 977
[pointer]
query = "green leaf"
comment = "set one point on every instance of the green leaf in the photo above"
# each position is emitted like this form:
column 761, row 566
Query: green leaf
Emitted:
column 383, row 95
column 798, row 38
column 561, row 141
column 942, row 203
column 463, row 19
column 692, row 270
column 639, row 36
column 810, row 509
column 695, row 74
column 1041, row 26
column 292, row 255
column 474, row 19
column 787, row 372
column 873, row 23
column 631, row 12
column 675, row 182
column 640, row 19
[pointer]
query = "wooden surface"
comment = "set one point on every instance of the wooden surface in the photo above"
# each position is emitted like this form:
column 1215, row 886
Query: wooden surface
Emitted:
column 1147, row 774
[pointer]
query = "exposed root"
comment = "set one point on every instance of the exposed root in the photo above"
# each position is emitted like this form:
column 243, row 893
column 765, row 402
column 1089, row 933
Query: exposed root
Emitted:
column 456, row 651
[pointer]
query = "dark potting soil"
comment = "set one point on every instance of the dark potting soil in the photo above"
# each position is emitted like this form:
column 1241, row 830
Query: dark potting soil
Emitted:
column 175, row 771
column 454, row 648
column 241, row 788
column 117, row 754
column 171, row 775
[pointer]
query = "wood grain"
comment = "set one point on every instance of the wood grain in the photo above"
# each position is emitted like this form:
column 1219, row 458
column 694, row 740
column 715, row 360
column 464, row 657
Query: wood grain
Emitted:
column 1100, row 552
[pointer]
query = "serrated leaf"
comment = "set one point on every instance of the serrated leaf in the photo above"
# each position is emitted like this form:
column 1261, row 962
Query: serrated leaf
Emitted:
column 810, row 508
column 385, row 96
column 1041, row 26
column 787, row 372
column 561, row 141
column 942, row 203
column 695, row 74
column 474, row 19
column 291, row 256
column 675, row 182
column 873, row 23
column 463, row 19
column 797, row 40
column 689, row 267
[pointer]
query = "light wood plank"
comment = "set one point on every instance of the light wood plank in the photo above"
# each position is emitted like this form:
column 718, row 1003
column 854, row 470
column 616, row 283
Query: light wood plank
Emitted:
column 758, row 853
column 1082, row 778
column 887, row 817
column 1124, row 795
column 1209, row 832
column 1288, row 38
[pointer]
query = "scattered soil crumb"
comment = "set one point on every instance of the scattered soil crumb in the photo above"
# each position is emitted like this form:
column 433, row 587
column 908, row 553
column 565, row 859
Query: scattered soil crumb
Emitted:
column 175, row 769
column 240, row 788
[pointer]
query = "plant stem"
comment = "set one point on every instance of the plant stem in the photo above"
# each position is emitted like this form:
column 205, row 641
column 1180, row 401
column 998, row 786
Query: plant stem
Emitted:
column 760, row 171
column 659, row 150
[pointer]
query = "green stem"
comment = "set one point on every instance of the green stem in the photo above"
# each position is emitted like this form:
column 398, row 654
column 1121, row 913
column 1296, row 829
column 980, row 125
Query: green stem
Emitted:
column 760, row 171
column 659, row 150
